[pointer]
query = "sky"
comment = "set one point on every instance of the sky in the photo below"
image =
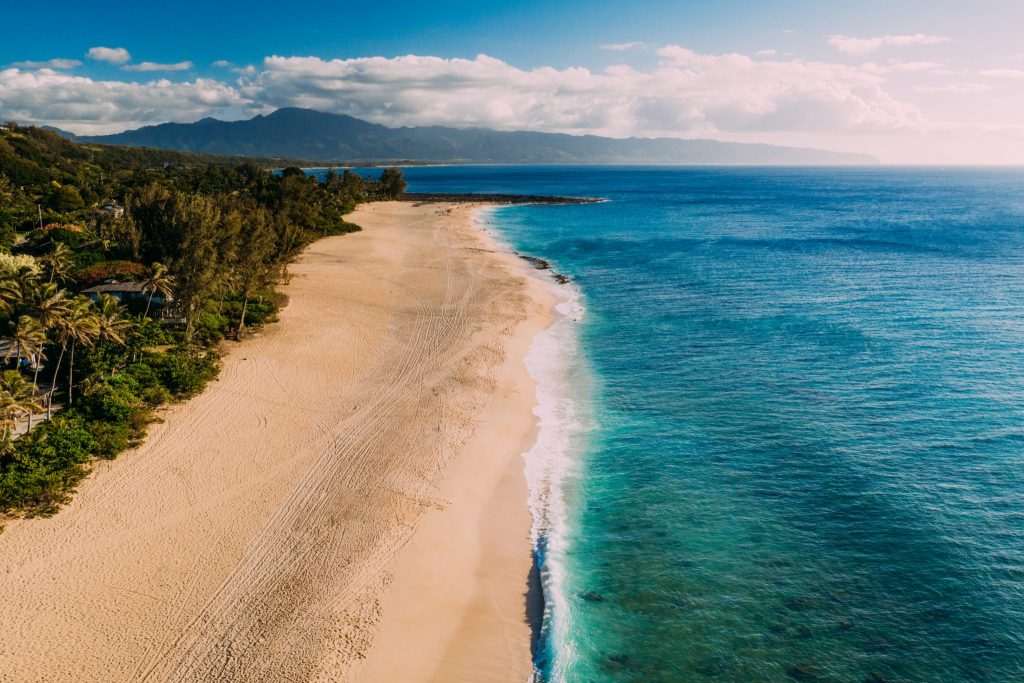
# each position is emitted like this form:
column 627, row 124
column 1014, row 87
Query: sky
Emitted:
column 909, row 81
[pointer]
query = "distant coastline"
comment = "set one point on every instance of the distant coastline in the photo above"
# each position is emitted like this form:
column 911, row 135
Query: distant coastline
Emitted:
column 297, row 133
column 488, row 198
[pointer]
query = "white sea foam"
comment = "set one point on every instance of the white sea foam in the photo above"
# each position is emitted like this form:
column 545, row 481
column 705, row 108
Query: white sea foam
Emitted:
column 551, row 466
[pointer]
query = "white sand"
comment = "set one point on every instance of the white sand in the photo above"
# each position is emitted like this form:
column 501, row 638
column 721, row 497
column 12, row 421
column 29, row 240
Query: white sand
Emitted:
column 345, row 503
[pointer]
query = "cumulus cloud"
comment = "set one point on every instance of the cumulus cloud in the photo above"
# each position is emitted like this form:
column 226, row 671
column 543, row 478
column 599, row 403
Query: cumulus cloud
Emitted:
column 60, row 64
column 620, row 47
column 861, row 46
column 113, row 55
column 954, row 88
column 1002, row 73
column 156, row 66
column 222, row 64
column 685, row 94
column 90, row 106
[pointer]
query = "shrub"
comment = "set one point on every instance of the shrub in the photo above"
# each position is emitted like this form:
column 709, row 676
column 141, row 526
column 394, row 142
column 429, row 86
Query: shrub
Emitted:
column 262, row 309
column 185, row 374
column 210, row 327
column 112, row 438
column 120, row 271
column 40, row 470
column 114, row 400
column 156, row 395
column 73, row 236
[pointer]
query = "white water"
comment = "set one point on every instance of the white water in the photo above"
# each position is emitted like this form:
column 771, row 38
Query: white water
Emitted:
column 551, row 466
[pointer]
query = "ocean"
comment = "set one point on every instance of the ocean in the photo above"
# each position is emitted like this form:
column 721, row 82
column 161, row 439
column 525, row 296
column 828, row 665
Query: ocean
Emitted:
column 782, row 421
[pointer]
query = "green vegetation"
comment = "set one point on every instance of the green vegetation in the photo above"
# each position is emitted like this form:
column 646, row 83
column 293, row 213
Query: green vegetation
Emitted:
column 202, row 243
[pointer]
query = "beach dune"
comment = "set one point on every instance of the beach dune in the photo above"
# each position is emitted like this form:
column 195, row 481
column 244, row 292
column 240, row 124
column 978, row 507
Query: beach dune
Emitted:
column 345, row 503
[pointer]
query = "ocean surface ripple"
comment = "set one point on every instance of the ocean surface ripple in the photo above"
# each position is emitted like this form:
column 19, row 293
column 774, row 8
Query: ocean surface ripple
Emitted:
column 804, row 395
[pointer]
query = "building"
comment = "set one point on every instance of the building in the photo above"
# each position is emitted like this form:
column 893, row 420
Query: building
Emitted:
column 125, row 292
column 115, row 210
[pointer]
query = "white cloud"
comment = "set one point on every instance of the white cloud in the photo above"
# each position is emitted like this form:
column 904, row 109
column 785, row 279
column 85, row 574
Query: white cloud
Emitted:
column 114, row 55
column 155, row 66
column 685, row 94
column 763, row 97
column 954, row 88
column 1002, row 73
column 861, row 46
column 88, row 106
column 913, row 67
column 50, row 64
column 766, row 53
column 222, row 64
column 621, row 47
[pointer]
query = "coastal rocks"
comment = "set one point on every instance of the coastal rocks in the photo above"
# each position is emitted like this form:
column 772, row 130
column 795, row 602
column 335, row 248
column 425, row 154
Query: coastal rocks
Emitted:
column 425, row 197
column 538, row 263
column 542, row 264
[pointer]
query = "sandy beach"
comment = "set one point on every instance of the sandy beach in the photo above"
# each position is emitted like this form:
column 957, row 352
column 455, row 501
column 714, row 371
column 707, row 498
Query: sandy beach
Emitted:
column 346, row 503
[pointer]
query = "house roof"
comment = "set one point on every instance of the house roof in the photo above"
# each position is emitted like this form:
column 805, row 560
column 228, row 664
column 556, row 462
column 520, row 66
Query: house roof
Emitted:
column 108, row 287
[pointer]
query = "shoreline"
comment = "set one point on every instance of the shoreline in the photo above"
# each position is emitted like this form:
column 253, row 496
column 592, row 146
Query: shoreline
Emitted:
column 261, row 529
column 485, row 624
column 491, row 199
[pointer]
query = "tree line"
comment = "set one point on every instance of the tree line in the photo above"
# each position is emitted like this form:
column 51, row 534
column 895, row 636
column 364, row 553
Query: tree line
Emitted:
column 204, row 243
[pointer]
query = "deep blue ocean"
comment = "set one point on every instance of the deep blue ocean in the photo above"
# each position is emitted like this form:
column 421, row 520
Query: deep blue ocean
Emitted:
column 788, row 444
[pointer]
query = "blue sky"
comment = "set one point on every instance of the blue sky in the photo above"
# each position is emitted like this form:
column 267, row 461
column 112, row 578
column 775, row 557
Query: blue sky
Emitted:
column 909, row 81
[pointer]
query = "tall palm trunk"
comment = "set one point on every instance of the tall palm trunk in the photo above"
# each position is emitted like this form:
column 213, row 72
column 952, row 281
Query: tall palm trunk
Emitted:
column 241, row 321
column 53, row 386
column 71, row 373
column 148, row 304
column 35, row 373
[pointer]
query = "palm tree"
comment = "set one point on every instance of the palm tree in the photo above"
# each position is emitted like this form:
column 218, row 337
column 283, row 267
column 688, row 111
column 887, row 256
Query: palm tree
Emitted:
column 26, row 278
column 111, row 324
column 158, row 282
column 28, row 338
column 16, row 399
column 78, row 325
column 16, row 288
column 10, row 294
column 58, row 261
column 49, row 303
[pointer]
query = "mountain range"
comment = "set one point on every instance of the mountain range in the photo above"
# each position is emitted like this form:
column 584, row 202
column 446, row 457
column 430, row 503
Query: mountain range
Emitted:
column 318, row 136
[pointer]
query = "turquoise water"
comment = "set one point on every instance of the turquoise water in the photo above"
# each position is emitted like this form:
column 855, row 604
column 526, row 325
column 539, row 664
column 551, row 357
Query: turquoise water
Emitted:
column 787, row 432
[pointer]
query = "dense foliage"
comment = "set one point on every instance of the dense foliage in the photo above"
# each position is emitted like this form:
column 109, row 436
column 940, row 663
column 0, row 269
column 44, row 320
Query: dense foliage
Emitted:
column 202, row 244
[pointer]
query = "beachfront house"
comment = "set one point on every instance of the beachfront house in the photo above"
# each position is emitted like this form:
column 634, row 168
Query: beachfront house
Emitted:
column 112, row 209
column 125, row 292
column 136, row 298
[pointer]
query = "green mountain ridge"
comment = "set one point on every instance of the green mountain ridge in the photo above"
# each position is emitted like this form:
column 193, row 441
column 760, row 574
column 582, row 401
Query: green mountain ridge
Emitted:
column 319, row 136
